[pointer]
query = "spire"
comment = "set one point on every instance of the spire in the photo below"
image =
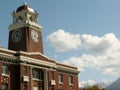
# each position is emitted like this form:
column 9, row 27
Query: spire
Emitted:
column 24, row 3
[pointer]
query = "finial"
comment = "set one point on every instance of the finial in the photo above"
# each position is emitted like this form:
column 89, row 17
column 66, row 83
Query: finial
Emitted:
column 24, row 3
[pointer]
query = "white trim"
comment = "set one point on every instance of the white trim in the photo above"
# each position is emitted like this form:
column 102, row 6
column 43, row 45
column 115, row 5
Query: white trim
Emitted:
column 53, row 64
column 45, row 80
column 26, row 23
column 34, row 66
column 71, row 84
column 37, row 61
column 70, row 66
column 61, row 83
column 67, row 69
column 46, row 63
column 25, row 78
column 34, row 53
column 53, row 82
column 6, row 75
column 36, row 79
column 4, row 49
column 4, row 54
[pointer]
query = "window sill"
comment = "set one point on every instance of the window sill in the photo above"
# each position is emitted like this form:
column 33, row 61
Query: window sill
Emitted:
column 71, row 84
column 61, row 83
column 36, row 79
column 6, row 75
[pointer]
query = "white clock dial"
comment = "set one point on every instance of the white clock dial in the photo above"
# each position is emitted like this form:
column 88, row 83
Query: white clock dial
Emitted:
column 16, row 36
column 35, row 36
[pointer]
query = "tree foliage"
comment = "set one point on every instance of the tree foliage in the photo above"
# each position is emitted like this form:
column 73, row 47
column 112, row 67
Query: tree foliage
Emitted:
column 95, row 87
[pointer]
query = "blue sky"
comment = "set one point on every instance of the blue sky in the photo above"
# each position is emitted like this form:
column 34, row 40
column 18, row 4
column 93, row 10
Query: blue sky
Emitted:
column 83, row 33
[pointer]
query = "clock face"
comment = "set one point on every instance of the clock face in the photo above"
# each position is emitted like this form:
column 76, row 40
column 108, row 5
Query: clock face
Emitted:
column 35, row 36
column 16, row 36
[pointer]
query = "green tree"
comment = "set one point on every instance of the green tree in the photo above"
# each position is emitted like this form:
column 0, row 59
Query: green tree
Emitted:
column 103, row 89
column 95, row 87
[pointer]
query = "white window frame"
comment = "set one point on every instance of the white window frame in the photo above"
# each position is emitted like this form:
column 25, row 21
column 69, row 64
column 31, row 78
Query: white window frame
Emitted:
column 5, row 70
column 60, row 78
column 70, row 80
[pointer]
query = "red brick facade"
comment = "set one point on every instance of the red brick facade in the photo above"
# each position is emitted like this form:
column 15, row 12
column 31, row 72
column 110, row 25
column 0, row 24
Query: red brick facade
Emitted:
column 19, row 78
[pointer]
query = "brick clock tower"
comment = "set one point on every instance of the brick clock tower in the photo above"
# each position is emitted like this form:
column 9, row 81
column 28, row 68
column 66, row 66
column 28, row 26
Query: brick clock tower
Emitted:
column 25, row 34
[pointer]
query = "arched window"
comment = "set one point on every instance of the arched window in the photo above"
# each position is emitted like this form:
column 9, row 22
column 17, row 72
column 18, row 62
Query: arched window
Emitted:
column 31, row 19
column 19, row 19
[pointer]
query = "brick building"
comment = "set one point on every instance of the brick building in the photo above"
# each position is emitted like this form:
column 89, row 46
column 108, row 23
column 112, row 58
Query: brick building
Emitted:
column 23, row 66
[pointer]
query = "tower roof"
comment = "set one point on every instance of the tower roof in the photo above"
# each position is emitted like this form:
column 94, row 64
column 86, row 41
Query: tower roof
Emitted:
column 25, row 7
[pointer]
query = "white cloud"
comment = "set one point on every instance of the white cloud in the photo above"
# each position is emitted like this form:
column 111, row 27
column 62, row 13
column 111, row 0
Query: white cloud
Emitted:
column 75, row 61
column 105, row 63
column 101, row 45
column 64, row 41
column 102, row 53
column 86, row 84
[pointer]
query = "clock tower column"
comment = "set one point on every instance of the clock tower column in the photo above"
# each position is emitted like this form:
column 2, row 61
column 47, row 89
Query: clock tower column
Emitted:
column 25, row 34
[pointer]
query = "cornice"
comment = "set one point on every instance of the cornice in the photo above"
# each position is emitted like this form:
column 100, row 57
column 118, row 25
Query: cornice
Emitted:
column 6, row 58
column 67, row 70
column 57, row 65
column 37, row 61
column 26, row 23
column 49, row 64
column 34, row 53
column 6, row 50
column 32, row 61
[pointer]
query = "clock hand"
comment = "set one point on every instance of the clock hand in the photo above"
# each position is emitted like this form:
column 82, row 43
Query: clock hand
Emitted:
column 18, row 35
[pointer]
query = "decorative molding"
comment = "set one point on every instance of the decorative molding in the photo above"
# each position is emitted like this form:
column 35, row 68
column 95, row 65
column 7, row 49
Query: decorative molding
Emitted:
column 37, row 61
column 34, row 53
column 23, row 59
column 50, row 65
column 67, row 70
column 4, row 49
column 26, row 23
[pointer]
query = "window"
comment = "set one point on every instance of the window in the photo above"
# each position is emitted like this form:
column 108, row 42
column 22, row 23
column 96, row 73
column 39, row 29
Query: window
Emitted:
column 41, row 75
column 60, row 77
column 52, row 75
column 4, row 86
column 25, row 86
column 5, row 69
column 70, row 80
column 36, row 73
column 20, row 19
column 25, row 71
column 31, row 19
